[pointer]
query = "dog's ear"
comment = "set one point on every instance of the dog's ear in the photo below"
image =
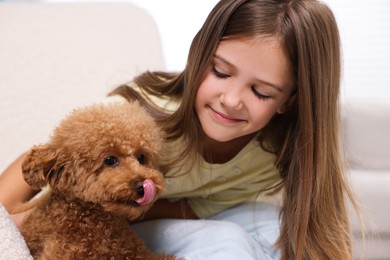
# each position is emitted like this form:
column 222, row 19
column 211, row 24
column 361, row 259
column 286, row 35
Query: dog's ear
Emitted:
column 38, row 165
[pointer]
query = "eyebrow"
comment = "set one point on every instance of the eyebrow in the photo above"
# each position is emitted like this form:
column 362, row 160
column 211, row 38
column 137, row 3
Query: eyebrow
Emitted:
column 278, row 88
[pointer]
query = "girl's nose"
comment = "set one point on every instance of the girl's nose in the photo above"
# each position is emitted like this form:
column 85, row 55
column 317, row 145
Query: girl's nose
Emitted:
column 231, row 99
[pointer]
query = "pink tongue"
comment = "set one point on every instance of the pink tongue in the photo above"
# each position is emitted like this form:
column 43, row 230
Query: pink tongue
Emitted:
column 149, row 192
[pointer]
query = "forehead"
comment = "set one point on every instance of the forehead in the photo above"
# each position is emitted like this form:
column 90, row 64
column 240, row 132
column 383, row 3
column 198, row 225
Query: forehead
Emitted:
column 260, row 58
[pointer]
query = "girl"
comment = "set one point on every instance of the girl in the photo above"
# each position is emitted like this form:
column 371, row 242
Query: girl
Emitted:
column 254, row 115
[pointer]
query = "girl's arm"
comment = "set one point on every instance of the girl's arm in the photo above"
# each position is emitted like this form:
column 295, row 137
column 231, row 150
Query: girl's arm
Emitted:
column 13, row 189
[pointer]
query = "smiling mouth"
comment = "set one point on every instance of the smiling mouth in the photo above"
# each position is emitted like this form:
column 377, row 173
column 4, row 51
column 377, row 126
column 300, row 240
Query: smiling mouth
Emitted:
column 223, row 118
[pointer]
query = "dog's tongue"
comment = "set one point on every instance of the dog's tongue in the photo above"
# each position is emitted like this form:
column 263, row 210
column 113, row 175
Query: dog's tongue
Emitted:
column 149, row 192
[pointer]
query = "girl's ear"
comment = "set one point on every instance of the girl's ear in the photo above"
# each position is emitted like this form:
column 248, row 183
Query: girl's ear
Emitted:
column 286, row 105
column 37, row 165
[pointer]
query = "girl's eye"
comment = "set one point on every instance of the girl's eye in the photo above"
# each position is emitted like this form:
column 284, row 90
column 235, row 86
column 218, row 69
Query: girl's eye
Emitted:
column 219, row 74
column 141, row 159
column 111, row 161
column 258, row 94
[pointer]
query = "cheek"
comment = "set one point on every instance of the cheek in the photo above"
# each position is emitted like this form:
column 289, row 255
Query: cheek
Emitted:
column 259, row 121
column 262, row 113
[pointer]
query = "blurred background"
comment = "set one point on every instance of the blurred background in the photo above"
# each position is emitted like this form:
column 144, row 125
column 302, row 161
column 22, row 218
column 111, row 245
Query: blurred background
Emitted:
column 364, row 28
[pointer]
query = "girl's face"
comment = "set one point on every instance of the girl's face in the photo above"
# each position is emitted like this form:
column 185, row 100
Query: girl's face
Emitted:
column 247, row 82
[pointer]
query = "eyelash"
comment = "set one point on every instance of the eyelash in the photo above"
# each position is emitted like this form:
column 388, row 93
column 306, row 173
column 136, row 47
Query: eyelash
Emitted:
column 219, row 74
column 258, row 94
column 224, row 76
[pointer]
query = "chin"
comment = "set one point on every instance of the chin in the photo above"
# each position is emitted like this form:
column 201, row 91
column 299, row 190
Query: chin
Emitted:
column 221, row 138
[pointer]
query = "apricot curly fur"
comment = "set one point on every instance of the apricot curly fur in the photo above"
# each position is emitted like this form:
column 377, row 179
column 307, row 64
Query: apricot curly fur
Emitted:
column 86, row 213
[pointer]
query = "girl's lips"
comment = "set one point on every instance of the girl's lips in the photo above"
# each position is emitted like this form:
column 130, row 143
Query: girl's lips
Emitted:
column 223, row 118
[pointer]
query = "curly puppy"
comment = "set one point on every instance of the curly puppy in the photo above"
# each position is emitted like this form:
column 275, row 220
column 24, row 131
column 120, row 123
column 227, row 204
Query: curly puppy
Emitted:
column 100, row 165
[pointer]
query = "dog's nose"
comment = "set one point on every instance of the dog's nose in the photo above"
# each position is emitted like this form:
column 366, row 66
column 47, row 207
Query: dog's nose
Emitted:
column 139, row 187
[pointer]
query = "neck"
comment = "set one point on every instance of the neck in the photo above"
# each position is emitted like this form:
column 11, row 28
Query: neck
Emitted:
column 222, row 152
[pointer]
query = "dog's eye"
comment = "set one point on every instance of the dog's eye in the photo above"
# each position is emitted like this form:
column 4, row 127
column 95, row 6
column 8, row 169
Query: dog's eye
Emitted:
column 141, row 159
column 111, row 161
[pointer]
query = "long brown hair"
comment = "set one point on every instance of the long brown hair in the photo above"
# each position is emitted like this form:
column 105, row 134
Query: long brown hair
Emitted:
column 305, row 139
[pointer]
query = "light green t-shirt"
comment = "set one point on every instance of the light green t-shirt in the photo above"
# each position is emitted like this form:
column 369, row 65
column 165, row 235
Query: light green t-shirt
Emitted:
column 212, row 188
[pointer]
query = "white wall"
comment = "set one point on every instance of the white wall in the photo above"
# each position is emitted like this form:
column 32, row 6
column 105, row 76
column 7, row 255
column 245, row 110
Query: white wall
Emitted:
column 178, row 21
column 364, row 28
column 365, row 34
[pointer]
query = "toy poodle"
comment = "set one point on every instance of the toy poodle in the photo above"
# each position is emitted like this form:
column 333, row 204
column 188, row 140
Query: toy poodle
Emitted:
column 100, row 167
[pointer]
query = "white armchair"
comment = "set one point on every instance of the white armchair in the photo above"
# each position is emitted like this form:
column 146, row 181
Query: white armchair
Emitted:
column 56, row 57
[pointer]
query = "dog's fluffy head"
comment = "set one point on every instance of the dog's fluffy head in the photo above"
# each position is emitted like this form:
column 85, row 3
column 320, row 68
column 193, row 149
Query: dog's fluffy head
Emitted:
column 104, row 154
